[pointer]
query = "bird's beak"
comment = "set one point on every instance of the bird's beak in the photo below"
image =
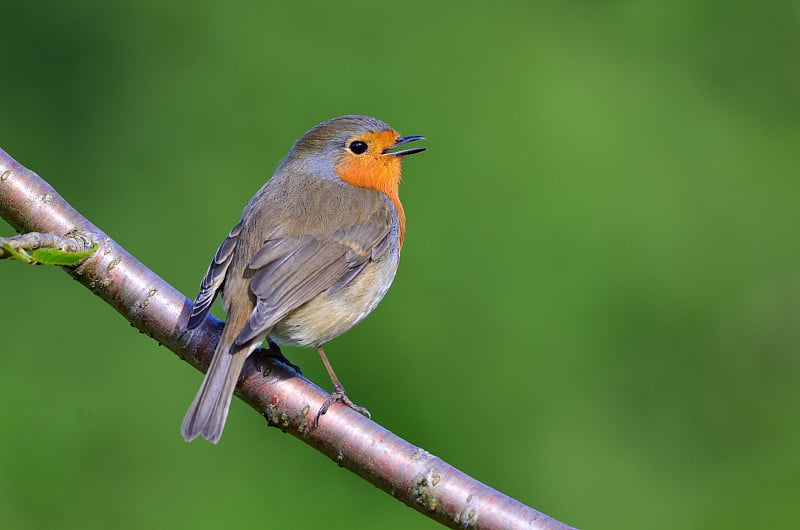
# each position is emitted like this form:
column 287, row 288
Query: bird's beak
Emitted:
column 404, row 140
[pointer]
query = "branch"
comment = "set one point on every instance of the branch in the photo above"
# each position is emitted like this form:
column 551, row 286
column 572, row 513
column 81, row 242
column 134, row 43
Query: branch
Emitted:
column 419, row 479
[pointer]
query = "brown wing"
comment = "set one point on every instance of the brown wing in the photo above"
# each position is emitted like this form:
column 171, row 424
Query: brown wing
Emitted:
column 291, row 270
column 214, row 278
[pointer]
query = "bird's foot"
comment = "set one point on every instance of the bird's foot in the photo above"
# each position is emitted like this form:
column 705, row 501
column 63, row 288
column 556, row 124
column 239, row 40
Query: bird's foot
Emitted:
column 339, row 396
column 275, row 352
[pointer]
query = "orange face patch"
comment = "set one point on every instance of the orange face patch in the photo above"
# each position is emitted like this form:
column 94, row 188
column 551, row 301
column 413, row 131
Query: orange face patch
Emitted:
column 372, row 169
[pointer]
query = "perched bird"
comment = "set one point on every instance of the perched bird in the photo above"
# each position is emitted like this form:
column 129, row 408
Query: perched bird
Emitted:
column 314, row 252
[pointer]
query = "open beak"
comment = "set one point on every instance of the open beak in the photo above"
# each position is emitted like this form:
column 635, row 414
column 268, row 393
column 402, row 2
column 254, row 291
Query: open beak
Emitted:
column 404, row 140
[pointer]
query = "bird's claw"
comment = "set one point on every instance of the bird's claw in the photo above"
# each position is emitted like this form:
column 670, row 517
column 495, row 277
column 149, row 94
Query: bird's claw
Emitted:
column 339, row 396
column 275, row 352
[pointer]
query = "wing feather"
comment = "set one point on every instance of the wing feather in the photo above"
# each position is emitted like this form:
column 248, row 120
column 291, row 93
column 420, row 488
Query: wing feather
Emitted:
column 291, row 270
column 214, row 278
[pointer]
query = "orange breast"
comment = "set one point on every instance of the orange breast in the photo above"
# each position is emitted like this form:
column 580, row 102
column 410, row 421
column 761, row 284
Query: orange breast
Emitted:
column 377, row 172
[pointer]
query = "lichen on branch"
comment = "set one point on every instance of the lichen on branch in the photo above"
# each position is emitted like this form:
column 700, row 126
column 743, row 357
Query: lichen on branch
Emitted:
column 39, row 248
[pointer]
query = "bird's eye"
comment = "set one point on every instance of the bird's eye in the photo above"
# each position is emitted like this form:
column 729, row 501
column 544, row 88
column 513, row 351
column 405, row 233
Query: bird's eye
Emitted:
column 358, row 147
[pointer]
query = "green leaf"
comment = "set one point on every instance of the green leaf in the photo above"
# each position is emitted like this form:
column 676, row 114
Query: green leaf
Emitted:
column 20, row 255
column 51, row 256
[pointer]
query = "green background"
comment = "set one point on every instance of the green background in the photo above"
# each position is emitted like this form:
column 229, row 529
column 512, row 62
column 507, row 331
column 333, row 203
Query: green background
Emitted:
column 597, row 306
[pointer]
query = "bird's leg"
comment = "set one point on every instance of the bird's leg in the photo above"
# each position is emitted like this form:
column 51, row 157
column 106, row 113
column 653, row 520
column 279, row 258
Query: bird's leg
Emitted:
column 275, row 352
column 338, row 394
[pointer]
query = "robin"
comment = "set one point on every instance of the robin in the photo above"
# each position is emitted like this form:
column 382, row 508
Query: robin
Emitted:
column 314, row 252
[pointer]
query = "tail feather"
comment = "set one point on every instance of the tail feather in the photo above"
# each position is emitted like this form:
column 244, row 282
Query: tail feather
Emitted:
column 209, row 410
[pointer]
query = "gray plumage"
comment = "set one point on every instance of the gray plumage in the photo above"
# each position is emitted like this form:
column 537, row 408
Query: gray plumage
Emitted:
column 310, row 257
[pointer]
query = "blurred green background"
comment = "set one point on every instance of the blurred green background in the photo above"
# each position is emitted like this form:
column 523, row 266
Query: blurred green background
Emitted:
column 597, row 306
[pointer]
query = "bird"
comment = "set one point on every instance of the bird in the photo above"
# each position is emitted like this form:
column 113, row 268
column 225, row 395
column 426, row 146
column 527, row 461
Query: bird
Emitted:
column 314, row 252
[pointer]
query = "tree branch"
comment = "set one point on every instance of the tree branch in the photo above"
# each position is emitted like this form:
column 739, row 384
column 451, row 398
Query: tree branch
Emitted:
column 403, row 470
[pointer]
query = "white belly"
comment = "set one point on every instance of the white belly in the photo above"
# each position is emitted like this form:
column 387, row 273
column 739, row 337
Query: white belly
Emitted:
column 326, row 317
